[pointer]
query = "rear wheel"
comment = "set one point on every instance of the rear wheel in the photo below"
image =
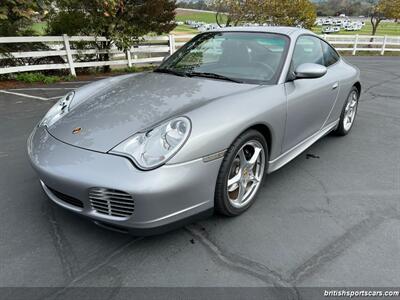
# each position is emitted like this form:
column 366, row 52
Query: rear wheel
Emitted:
column 349, row 112
column 241, row 173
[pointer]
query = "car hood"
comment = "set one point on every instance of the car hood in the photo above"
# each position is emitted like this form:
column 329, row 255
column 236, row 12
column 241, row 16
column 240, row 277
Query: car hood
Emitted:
column 112, row 110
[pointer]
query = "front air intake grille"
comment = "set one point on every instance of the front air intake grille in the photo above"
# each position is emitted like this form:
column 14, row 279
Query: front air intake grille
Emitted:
column 68, row 199
column 111, row 202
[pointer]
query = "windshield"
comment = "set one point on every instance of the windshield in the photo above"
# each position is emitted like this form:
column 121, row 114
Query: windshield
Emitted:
column 248, row 57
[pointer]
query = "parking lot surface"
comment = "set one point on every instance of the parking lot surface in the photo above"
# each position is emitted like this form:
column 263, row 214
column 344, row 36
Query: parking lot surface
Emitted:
column 329, row 218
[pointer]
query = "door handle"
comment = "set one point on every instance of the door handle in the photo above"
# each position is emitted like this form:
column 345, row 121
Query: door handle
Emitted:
column 335, row 86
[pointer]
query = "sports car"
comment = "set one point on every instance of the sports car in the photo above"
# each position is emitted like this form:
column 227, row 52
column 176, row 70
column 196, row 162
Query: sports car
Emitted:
column 147, row 152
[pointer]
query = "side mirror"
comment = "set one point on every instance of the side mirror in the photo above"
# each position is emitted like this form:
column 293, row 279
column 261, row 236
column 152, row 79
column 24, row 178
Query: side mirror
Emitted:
column 309, row 70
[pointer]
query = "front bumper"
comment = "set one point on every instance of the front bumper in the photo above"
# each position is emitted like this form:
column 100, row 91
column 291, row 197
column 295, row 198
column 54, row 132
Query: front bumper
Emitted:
column 163, row 197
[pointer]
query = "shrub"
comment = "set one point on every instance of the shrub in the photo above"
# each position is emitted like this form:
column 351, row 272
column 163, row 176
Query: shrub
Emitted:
column 30, row 77
column 39, row 77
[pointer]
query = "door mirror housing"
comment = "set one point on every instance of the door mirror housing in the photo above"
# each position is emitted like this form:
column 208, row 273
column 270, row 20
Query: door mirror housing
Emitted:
column 309, row 70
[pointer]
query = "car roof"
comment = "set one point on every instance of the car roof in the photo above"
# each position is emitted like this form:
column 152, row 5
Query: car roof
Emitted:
column 290, row 31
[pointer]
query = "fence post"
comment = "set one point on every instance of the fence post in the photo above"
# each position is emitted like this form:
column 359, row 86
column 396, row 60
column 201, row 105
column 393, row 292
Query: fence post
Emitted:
column 128, row 56
column 171, row 39
column 355, row 45
column 69, row 55
column 384, row 45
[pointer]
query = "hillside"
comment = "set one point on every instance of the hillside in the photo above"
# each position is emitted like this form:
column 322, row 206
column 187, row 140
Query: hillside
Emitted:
column 385, row 28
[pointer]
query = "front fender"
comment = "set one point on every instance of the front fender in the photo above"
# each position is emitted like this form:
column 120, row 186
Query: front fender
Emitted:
column 217, row 124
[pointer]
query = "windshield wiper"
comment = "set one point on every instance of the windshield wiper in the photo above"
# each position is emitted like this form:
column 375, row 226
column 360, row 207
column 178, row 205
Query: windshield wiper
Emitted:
column 212, row 75
column 170, row 71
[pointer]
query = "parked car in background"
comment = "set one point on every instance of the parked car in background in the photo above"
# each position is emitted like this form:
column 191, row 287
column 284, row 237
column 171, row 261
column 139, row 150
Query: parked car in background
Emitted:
column 331, row 29
column 333, row 25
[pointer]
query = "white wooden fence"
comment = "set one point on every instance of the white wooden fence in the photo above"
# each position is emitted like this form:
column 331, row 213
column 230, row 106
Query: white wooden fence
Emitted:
column 149, row 50
column 355, row 43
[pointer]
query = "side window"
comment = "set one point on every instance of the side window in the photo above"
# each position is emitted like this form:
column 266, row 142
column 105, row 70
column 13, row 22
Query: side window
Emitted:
column 308, row 49
column 330, row 55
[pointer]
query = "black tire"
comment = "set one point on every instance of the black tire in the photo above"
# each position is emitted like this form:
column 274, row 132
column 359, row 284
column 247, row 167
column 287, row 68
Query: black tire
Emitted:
column 341, row 130
column 221, row 201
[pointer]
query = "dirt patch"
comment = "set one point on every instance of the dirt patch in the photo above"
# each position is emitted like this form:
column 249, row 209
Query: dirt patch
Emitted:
column 180, row 12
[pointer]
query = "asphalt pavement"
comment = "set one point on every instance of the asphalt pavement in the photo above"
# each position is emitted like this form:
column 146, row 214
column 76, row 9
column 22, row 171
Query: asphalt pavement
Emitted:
column 329, row 218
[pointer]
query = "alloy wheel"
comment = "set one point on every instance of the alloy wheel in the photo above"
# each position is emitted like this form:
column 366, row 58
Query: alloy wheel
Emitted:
column 350, row 110
column 246, row 173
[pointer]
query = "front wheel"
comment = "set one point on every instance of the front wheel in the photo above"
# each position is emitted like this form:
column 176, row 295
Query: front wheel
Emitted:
column 241, row 173
column 349, row 112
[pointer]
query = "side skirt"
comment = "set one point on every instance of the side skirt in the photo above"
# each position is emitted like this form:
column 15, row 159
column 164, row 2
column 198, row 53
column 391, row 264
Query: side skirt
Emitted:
column 292, row 153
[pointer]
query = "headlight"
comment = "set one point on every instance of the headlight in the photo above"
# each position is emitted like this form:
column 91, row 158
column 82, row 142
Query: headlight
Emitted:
column 58, row 110
column 156, row 146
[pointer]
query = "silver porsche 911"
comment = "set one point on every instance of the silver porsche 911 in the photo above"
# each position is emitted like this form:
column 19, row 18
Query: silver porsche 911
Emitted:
column 147, row 152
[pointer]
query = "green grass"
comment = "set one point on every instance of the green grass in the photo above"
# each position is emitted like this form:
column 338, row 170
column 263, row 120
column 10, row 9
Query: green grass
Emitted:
column 184, row 29
column 384, row 28
column 370, row 53
column 39, row 28
column 41, row 78
column 37, row 77
column 207, row 17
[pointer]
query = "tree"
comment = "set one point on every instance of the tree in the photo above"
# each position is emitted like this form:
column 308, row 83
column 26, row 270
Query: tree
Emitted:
column 231, row 12
column 384, row 9
column 16, row 19
column 274, row 12
column 122, row 22
column 286, row 13
column 16, row 16
column 347, row 7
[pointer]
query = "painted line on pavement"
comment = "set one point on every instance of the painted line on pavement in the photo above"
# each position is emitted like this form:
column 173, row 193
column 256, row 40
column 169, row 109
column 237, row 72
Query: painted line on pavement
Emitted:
column 42, row 89
column 24, row 95
column 55, row 97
